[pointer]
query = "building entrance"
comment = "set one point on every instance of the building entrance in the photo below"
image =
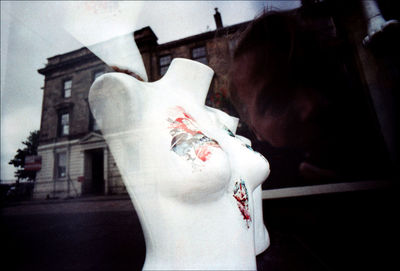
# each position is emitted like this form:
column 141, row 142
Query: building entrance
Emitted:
column 94, row 172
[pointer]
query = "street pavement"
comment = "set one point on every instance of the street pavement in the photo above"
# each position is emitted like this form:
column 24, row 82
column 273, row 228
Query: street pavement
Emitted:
column 100, row 233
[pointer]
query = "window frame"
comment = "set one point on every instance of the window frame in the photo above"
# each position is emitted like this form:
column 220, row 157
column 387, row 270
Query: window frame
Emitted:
column 60, row 126
column 58, row 165
column 232, row 44
column 64, row 89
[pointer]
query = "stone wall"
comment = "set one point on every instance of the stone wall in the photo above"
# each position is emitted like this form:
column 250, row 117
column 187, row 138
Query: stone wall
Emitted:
column 82, row 76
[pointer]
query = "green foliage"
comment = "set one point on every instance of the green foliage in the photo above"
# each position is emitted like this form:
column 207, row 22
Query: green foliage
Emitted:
column 31, row 145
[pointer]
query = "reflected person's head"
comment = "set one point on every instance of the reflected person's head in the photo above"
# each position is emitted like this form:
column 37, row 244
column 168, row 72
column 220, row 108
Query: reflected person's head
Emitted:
column 283, row 74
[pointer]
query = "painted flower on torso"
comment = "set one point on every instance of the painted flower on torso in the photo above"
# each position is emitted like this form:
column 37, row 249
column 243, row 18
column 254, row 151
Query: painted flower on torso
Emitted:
column 187, row 140
column 242, row 198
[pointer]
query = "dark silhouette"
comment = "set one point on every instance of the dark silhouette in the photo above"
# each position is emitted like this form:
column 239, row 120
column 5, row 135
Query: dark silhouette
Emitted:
column 18, row 161
column 294, row 84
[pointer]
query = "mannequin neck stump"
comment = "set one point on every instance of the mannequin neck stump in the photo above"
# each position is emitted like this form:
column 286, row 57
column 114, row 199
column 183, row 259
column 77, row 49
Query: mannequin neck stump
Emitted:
column 192, row 79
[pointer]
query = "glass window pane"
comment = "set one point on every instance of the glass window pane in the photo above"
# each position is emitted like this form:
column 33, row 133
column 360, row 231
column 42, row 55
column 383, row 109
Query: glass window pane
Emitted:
column 67, row 93
column 64, row 124
column 65, row 119
column 61, row 172
column 65, row 130
column 202, row 60
column 61, row 164
column 163, row 70
column 62, row 159
column 67, row 84
column 67, row 88
column 165, row 60
column 232, row 46
column 198, row 52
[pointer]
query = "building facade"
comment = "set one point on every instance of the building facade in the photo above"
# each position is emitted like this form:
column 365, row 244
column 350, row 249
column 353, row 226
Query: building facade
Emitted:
column 75, row 157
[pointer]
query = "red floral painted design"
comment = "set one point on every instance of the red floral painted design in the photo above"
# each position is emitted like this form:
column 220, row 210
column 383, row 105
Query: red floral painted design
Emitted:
column 187, row 140
column 203, row 152
column 242, row 198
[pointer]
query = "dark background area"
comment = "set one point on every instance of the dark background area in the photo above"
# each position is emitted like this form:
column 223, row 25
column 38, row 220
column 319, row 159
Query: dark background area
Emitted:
column 342, row 231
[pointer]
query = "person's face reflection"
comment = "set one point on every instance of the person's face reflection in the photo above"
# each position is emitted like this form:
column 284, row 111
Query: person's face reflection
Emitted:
column 290, row 125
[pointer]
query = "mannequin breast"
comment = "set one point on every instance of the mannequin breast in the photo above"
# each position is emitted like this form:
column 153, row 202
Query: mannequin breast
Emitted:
column 243, row 159
column 247, row 163
column 249, row 169
column 198, row 168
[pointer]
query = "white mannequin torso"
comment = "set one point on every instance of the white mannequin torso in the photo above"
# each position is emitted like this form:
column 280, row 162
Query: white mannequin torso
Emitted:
column 190, row 179
column 229, row 124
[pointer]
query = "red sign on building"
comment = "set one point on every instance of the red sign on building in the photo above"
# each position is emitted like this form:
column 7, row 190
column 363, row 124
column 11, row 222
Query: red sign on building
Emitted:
column 33, row 162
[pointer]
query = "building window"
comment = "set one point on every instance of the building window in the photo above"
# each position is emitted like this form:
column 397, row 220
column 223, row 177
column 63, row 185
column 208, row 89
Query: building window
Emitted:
column 67, row 87
column 164, row 62
column 232, row 44
column 200, row 54
column 98, row 74
column 61, row 164
column 93, row 123
column 63, row 124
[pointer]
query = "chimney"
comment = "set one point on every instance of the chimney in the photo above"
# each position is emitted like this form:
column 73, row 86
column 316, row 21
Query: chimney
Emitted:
column 145, row 38
column 218, row 19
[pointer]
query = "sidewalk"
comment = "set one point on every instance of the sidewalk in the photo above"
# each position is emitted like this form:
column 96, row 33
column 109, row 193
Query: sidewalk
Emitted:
column 71, row 199
column 86, row 204
column 99, row 233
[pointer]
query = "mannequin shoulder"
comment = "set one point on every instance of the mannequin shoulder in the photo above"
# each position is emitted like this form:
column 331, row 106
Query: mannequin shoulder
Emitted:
column 116, row 100
column 115, row 83
column 223, row 118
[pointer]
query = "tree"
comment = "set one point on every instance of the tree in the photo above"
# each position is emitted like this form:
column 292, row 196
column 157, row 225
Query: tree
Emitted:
column 31, row 144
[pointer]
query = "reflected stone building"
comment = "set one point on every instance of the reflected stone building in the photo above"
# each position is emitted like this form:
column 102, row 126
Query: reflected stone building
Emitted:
column 75, row 157
column 76, row 160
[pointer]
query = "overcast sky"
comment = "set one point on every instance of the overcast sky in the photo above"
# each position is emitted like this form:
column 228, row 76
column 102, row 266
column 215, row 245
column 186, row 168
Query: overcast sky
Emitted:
column 33, row 31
